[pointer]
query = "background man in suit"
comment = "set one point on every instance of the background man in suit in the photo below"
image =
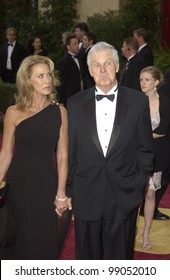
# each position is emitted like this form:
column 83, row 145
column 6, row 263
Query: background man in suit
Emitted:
column 145, row 51
column 134, row 64
column 11, row 55
column 80, row 29
column 70, row 71
column 64, row 36
column 88, row 41
column 110, row 157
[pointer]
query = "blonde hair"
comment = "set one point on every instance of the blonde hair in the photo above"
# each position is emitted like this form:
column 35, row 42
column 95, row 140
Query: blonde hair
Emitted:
column 24, row 97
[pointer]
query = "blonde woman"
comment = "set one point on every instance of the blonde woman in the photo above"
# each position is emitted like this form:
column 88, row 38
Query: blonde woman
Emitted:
column 150, row 79
column 36, row 189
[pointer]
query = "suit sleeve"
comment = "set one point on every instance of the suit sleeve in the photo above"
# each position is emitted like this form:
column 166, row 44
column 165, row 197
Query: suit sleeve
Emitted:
column 73, row 146
column 164, row 110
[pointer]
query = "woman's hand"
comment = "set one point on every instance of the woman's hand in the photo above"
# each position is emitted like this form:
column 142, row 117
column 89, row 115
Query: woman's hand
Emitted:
column 60, row 205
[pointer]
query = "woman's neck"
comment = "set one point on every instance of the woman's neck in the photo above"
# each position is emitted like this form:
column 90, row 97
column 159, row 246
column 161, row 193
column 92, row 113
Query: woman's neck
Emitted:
column 38, row 104
column 152, row 94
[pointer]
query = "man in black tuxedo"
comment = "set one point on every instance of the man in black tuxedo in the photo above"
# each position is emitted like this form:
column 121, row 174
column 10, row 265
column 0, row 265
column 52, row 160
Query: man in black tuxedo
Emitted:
column 89, row 40
column 133, row 66
column 11, row 55
column 144, row 50
column 80, row 29
column 110, row 157
column 70, row 71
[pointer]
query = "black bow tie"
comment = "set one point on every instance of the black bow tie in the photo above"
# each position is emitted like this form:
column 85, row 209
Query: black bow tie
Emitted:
column 10, row 45
column 101, row 96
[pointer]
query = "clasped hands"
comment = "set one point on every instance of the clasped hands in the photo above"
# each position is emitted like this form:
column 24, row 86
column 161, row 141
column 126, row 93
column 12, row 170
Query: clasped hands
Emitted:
column 62, row 204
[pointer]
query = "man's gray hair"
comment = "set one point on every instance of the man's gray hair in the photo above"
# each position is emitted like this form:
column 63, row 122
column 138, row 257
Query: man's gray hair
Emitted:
column 100, row 46
column 11, row 29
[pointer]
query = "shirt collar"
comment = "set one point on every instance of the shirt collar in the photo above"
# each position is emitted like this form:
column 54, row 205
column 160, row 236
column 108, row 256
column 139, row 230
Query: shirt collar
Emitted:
column 13, row 43
column 114, row 90
column 72, row 54
column 131, row 56
column 141, row 47
column 88, row 48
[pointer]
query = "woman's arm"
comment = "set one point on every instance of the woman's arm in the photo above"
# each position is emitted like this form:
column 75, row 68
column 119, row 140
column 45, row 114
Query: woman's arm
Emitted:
column 62, row 163
column 7, row 141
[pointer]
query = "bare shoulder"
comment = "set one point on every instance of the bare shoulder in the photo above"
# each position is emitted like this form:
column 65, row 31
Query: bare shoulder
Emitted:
column 12, row 113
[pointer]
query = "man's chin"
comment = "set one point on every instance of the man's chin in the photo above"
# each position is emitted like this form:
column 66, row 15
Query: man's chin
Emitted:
column 105, row 83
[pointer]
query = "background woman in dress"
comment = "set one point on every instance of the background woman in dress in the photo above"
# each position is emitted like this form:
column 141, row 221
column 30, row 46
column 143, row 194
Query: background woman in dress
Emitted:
column 34, row 46
column 150, row 79
column 38, row 126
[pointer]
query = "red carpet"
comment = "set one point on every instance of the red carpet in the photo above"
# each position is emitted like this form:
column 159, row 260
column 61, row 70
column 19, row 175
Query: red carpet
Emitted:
column 68, row 251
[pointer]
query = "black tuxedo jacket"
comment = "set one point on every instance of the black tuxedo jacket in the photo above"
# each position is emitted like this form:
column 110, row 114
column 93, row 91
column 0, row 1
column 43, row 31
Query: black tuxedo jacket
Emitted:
column 147, row 54
column 88, row 79
column 124, row 171
column 70, row 77
column 162, row 145
column 18, row 54
column 130, row 77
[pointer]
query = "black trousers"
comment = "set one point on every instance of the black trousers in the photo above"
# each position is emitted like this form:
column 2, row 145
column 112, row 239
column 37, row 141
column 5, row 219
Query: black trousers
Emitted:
column 111, row 237
column 159, row 194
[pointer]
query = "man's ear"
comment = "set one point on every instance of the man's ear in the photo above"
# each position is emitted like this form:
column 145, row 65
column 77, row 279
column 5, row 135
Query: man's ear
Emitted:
column 90, row 72
column 117, row 67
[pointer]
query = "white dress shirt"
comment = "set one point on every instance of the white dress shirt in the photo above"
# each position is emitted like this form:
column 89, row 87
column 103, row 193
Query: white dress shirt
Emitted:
column 105, row 116
column 10, row 50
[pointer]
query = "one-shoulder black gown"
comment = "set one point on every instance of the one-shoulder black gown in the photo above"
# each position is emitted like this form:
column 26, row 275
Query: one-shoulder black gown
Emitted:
column 32, row 178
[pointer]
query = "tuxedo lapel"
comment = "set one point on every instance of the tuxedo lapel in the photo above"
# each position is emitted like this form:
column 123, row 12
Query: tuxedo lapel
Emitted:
column 89, row 108
column 121, row 112
column 6, row 49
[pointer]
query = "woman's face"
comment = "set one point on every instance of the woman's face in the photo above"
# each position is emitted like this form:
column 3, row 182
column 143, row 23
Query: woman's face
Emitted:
column 147, row 82
column 37, row 43
column 41, row 79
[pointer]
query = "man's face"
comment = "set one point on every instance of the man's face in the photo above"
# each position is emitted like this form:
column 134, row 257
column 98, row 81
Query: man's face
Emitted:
column 125, row 50
column 86, row 42
column 79, row 33
column 11, row 36
column 137, row 37
column 103, row 69
column 74, row 46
